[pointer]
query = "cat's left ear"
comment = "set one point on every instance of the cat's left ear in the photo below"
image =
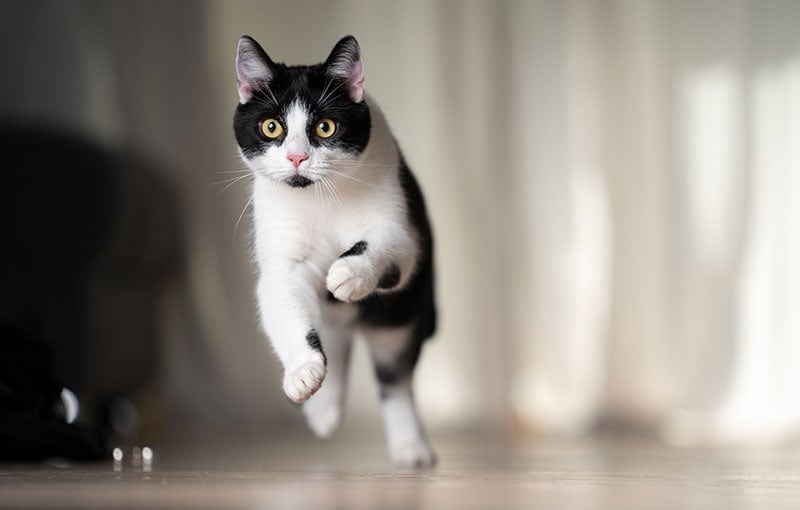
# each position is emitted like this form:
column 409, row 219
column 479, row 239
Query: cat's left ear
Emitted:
column 345, row 63
column 254, row 68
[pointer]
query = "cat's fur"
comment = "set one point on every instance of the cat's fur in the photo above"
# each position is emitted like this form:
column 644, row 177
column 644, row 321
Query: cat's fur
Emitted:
column 342, row 238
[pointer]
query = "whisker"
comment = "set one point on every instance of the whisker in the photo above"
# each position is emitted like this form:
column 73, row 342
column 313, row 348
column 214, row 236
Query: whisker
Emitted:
column 272, row 189
column 272, row 95
column 226, row 181
column 336, row 192
column 363, row 164
column 234, row 181
column 236, row 227
column 323, row 189
column 318, row 203
column 264, row 100
column 327, row 86
column 324, row 100
column 342, row 174
column 325, row 185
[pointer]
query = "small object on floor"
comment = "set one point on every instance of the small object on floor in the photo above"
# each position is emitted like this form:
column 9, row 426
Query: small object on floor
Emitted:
column 117, row 454
column 147, row 459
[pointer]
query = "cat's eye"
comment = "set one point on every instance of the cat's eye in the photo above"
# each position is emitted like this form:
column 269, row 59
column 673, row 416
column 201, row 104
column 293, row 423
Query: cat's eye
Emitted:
column 325, row 128
column 271, row 128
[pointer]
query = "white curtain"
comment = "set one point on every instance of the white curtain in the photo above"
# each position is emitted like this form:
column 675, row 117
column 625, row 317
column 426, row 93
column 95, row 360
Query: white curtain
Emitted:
column 614, row 187
column 664, row 220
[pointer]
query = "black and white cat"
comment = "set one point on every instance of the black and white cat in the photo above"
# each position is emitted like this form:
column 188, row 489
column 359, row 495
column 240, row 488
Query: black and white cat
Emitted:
column 342, row 238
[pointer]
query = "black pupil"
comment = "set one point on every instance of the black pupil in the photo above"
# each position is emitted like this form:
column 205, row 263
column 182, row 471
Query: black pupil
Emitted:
column 271, row 127
column 325, row 126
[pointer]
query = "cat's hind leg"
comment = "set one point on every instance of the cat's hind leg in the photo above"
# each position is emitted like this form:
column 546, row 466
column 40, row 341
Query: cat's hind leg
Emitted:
column 394, row 353
column 324, row 410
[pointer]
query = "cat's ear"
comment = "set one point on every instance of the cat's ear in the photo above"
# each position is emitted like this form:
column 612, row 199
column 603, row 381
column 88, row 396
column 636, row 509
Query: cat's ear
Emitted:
column 345, row 63
column 254, row 69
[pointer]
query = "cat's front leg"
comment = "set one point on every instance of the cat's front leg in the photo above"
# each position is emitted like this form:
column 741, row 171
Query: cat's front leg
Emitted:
column 289, row 309
column 324, row 410
column 382, row 261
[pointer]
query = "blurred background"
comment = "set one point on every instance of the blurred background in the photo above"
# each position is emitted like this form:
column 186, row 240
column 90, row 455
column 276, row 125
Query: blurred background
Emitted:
column 614, row 187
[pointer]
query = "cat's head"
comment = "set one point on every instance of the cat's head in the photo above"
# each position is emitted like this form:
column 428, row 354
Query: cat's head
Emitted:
column 297, row 124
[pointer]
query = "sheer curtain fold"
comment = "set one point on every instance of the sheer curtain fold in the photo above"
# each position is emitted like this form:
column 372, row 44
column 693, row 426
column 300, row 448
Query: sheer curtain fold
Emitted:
column 699, row 169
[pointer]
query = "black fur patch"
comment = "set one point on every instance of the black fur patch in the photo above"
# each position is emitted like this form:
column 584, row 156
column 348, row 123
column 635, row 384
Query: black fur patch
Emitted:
column 385, row 374
column 299, row 181
column 324, row 95
column 389, row 373
column 415, row 302
column 313, row 341
column 390, row 278
column 357, row 249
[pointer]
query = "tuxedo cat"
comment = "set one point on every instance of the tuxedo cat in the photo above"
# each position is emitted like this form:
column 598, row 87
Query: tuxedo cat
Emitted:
column 342, row 239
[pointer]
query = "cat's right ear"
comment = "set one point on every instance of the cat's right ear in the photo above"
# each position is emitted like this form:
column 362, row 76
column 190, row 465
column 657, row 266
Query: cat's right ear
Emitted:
column 254, row 69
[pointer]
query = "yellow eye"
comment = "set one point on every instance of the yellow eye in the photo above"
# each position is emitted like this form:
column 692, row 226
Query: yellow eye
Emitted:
column 325, row 128
column 271, row 128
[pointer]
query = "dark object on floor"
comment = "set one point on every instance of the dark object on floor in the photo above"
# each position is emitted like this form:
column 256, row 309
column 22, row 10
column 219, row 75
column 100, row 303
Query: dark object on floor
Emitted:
column 32, row 421
column 89, row 238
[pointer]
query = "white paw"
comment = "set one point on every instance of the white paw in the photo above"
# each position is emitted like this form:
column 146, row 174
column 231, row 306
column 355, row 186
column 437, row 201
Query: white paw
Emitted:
column 323, row 416
column 416, row 454
column 302, row 382
column 351, row 278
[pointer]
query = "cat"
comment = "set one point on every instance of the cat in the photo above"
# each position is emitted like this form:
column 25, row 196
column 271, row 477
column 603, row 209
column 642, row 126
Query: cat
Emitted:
column 342, row 239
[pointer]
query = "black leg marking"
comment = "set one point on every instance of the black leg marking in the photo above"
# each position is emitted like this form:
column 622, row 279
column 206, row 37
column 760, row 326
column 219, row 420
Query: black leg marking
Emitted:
column 357, row 249
column 313, row 341
column 387, row 375
column 390, row 277
column 390, row 372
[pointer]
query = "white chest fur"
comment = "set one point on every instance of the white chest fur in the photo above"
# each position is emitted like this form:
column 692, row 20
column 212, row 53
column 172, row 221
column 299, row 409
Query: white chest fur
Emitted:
column 312, row 226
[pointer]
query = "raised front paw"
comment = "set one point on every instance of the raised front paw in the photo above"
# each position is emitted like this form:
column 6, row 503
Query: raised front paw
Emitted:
column 351, row 278
column 302, row 382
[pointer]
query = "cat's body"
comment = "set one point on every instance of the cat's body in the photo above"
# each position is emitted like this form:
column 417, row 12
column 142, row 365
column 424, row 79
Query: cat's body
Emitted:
column 342, row 239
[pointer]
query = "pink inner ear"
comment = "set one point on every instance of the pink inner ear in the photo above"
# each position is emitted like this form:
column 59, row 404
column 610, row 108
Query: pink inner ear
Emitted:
column 245, row 91
column 356, row 82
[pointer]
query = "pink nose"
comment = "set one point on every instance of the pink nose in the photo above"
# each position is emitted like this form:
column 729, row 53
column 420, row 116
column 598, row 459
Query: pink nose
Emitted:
column 296, row 159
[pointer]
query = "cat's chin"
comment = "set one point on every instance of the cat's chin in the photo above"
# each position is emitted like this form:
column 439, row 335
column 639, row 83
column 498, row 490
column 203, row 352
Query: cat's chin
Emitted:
column 298, row 181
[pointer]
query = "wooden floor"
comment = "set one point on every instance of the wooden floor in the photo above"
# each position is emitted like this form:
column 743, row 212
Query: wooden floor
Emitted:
column 476, row 471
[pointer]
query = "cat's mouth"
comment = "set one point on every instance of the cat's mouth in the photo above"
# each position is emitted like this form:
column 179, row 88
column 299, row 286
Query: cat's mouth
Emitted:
column 298, row 181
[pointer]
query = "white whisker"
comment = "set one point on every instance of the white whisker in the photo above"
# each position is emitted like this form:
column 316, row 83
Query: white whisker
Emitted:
column 236, row 227
column 324, row 100
column 317, row 205
column 231, row 183
column 325, row 90
column 350, row 177
column 334, row 192
column 226, row 181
